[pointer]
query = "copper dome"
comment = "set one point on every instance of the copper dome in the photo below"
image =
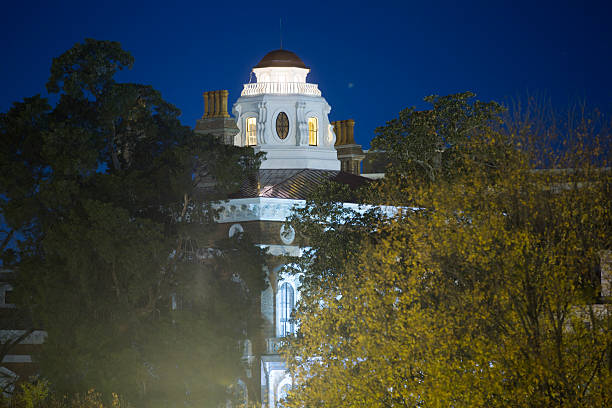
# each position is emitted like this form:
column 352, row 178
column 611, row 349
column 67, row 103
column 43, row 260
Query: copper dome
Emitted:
column 281, row 58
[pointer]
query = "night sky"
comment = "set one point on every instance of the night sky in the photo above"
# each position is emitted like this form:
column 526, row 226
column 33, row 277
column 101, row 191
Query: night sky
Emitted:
column 370, row 61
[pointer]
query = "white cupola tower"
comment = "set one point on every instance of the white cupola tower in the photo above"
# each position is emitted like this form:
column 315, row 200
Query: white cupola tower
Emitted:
column 285, row 117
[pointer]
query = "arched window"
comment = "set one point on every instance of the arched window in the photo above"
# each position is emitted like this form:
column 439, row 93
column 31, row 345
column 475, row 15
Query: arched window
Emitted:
column 285, row 307
column 313, row 131
column 251, row 131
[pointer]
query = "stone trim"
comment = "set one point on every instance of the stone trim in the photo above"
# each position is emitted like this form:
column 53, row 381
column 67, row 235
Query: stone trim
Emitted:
column 257, row 209
column 36, row 337
column 278, row 250
column 17, row 358
column 274, row 209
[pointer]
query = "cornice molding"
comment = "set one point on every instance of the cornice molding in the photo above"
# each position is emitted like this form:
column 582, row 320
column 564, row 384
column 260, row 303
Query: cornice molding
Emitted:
column 277, row 209
column 257, row 209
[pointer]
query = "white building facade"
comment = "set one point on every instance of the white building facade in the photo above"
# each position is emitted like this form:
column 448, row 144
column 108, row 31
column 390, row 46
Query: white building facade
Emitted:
column 285, row 117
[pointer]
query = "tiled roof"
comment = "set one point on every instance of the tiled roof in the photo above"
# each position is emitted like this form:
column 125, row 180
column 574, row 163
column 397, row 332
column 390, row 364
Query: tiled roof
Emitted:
column 293, row 183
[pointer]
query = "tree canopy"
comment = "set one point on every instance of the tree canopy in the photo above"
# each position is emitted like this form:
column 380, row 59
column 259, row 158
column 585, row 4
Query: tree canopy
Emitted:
column 433, row 144
column 116, row 257
column 476, row 289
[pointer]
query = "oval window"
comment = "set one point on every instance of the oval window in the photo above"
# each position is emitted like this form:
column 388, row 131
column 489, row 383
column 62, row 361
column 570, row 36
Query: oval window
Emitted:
column 282, row 125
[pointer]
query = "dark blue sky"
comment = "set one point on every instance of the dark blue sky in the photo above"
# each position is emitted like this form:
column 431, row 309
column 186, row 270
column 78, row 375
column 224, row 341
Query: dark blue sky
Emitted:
column 370, row 59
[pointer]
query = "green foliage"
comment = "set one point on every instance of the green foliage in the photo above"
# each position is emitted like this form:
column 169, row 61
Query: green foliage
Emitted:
column 38, row 394
column 103, row 191
column 433, row 144
column 88, row 67
column 480, row 296
column 32, row 395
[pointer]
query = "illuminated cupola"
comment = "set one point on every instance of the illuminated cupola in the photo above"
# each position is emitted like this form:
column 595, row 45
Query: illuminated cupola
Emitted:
column 285, row 117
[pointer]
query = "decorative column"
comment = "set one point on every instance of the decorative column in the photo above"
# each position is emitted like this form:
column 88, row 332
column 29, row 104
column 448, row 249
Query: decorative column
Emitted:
column 301, row 136
column 205, row 115
column 217, row 96
column 350, row 137
column 211, row 103
column 338, row 131
column 261, row 123
column 224, row 95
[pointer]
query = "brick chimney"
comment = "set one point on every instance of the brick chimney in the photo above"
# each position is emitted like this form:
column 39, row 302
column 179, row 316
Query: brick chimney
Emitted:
column 216, row 120
column 350, row 154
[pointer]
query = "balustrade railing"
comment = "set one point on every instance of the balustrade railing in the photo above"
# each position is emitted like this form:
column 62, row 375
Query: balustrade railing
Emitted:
column 302, row 88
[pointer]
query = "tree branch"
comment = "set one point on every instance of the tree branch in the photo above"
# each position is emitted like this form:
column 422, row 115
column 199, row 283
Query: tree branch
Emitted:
column 7, row 239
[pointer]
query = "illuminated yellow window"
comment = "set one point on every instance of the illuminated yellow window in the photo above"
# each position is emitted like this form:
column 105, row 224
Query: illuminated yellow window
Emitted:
column 313, row 131
column 251, row 131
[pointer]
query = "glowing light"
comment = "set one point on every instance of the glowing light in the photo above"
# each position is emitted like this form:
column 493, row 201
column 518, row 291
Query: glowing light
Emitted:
column 251, row 131
column 313, row 131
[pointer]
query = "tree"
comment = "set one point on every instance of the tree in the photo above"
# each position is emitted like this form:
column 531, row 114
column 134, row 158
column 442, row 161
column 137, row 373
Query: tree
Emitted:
column 466, row 129
column 482, row 295
column 38, row 394
column 112, row 260
column 433, row 144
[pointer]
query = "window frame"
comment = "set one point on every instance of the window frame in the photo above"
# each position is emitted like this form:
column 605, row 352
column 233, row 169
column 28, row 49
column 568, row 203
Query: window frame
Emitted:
column 285, row 307
column 251, row 131
column 282, row 125
column 313, row 131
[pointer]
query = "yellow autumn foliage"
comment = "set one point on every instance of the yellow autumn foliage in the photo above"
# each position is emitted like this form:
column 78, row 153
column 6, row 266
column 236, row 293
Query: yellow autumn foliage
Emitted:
column 37, row 394
column 484, row 295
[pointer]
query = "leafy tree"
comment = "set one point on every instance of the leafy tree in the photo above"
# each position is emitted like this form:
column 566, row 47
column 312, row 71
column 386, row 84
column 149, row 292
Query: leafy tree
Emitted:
column 38, row 394
column 482, row 295
column 433, row 144
column 104, row 191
